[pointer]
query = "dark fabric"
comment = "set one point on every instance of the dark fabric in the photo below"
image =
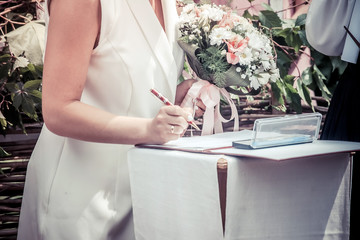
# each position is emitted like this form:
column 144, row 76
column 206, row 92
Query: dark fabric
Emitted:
column 342, row 119
column 343, row 123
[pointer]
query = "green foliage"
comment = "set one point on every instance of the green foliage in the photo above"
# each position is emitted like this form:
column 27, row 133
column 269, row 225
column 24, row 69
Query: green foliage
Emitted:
column 289, row 40
column 20, row 91
column 269, row 19
column 21, row 41
column 214, row 62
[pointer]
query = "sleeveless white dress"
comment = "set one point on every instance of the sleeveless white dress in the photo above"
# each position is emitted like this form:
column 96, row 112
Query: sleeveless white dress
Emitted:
column 78, row 190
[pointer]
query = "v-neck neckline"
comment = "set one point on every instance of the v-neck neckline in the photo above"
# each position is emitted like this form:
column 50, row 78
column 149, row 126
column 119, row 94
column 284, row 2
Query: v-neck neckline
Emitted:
column 160, row 12
column 162, row 43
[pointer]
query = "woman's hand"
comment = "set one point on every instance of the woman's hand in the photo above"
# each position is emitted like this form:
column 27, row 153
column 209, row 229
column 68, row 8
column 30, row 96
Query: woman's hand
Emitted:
column 181, row 92
column 169, row 124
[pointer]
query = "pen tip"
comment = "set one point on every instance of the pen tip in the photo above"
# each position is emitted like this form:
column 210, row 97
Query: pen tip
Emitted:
column 195, row 126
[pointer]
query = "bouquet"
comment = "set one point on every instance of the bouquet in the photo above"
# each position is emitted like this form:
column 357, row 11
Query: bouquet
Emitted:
column 223, row 49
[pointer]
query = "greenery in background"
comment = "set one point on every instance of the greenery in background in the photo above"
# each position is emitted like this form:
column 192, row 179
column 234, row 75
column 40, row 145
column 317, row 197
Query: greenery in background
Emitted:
column 20, row 65
column 289, row 41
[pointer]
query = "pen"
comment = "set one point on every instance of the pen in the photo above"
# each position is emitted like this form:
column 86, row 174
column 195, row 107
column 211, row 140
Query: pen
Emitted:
column 168, row 103
column 352, row 36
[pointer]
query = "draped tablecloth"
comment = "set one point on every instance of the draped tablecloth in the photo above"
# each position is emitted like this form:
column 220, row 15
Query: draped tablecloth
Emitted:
column 176, row 196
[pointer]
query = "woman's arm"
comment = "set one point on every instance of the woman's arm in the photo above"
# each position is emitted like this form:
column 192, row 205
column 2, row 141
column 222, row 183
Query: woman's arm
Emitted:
column 72, row 33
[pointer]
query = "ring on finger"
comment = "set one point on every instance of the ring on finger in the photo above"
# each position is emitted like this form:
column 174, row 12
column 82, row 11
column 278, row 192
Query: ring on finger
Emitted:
column 172, row 129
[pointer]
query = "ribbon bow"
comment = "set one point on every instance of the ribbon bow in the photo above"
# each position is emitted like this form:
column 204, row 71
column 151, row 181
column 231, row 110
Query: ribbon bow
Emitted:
column 210, row 96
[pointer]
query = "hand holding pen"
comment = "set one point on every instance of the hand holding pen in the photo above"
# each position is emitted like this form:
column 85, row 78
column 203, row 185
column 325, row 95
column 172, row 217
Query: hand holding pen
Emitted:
column 168, row 103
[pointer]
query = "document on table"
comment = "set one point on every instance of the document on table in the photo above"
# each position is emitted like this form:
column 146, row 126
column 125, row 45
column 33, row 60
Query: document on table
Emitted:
column 221, row 144
column 206, row 143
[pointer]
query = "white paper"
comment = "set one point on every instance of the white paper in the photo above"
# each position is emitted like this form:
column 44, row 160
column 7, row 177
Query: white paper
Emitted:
column 221, row 144
column 210, row 141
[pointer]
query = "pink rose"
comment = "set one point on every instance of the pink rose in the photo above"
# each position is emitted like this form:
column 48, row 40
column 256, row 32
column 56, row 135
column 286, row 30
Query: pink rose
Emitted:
column 228, row 20
column 235, row 45
column 232, row 58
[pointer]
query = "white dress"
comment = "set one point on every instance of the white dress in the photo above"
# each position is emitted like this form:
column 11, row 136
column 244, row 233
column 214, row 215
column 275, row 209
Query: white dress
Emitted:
column 78, row 190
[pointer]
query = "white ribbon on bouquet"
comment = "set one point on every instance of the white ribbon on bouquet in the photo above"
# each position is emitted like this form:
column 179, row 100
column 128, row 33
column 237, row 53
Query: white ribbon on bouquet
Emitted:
column 210, row 95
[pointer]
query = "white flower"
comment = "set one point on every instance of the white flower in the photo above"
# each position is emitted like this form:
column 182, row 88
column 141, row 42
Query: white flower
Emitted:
column 217, row 35
column 266, row 65
column 245, row 57
column 188, row 18
column 243, row 25
column 212, row 13
column 188, row 8
column 263, row 56
column 21, row 62
column 254, row 83
column 191, row 37
column 274, row 75
column 255, row 41
column 253, row 59
column 273, row 64
column 268, row 48
column 263, row 78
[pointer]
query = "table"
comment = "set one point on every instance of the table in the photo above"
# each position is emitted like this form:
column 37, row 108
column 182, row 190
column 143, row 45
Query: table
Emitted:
column 180, row 195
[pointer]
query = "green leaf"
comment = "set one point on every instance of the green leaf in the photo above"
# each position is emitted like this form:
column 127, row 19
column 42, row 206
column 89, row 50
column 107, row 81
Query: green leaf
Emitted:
column 300, row 20
column 246, row 14
column 282, row 33
column 318, row 57
column 36, row 94
column 31, row 68
column 39, row 71
column 293, row 98
column 302, row 36
column 17, row 99
column 293, row 39
column 3, row 121
column 3, row 153
column 289, row 79
column 32, row 85
column 5, row 65
column 5, row 57
column 320, row 81
column 283, row 62
column 304, row 93
column 307, row 76
column 269, row 19
column 338, row 64
column 281, row 108
column 28, row 107
column 12, row 87
column 276, row 92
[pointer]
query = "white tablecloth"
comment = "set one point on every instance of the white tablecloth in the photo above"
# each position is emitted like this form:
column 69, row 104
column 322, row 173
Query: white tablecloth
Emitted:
column 299, row 199
column 176, row 196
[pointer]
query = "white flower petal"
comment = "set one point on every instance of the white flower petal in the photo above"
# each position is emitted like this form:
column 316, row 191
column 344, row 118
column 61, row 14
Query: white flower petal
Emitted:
column 21, row 62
